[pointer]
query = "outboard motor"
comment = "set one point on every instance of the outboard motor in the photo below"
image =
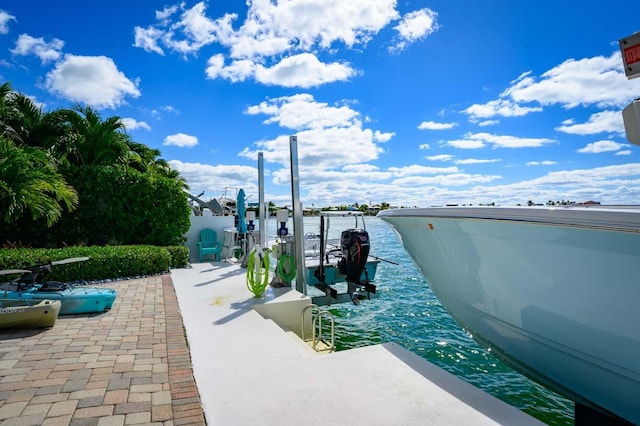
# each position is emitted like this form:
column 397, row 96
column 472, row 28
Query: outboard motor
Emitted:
column 355, row 251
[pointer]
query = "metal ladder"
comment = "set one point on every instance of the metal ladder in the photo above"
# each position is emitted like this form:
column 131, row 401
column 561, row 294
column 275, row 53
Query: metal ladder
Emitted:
column 316, row 322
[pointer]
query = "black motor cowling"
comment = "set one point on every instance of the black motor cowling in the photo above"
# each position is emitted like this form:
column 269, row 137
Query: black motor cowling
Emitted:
column 355, row 251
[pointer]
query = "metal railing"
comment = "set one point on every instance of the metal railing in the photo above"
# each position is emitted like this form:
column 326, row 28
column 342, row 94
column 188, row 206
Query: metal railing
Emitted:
column 317, row 315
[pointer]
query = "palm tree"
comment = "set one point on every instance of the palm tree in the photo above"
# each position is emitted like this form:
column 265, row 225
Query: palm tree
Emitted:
column 26, row 124
column 143, row 158
column 90, row 141
column 30, row 182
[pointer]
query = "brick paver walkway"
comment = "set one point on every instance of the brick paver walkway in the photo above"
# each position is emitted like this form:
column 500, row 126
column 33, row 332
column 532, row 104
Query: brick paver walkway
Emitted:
column 130, row 365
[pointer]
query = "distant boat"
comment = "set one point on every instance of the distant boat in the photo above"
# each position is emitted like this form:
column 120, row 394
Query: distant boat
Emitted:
column 21, row 313
column 553, row 292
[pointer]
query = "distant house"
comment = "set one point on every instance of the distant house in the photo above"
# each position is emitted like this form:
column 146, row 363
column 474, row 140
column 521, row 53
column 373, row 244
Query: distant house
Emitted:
column 591, row 203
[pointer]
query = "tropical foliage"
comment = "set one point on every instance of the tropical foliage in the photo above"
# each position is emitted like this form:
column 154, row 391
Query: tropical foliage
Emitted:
column 70, row 177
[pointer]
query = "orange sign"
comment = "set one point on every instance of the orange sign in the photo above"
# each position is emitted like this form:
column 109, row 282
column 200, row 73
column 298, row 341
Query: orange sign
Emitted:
column 632, row 54
column 630, row 49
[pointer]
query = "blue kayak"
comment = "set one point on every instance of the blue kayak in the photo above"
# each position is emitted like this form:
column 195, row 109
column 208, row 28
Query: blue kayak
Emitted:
column 74, row 299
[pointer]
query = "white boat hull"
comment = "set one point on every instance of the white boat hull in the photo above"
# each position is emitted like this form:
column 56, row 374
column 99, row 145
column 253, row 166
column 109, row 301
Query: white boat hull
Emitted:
column 552, row 292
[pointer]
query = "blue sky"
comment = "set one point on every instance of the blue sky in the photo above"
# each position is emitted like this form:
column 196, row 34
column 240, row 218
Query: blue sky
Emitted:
column 412, row 103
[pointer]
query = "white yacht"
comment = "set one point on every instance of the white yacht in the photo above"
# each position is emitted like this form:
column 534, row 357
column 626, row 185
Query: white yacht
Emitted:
column 554, row 292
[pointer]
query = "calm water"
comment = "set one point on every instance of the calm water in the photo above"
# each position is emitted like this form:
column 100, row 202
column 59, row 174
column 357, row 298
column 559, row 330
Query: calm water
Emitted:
column 408, row 314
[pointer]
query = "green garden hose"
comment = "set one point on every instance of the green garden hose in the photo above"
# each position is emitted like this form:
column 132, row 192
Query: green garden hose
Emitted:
column 286, row 268
column 257, row 273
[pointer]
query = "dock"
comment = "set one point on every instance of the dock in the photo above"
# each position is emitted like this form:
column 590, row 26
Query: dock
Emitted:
column 194, row 347
column 251, row 368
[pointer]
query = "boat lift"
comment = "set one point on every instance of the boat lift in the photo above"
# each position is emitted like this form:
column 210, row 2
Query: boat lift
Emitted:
column 312, row 279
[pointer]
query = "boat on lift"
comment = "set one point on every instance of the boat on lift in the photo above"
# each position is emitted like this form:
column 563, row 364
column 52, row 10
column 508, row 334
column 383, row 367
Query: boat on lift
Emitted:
column 340, row 267
column 551, row 291
column 346, row 260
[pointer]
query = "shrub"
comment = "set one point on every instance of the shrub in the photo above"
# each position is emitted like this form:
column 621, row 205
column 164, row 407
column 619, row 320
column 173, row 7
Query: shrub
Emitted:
column 105, row 262
column 179, row 256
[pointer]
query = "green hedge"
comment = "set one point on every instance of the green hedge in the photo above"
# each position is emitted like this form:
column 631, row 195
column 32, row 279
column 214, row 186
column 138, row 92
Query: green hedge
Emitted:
column 116, row 207
column 105, row 262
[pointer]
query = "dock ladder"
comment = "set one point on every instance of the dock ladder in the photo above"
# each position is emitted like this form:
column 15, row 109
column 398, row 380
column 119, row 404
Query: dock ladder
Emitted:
column 317, row 342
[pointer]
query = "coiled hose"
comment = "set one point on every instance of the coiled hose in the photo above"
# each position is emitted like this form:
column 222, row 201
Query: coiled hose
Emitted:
column 286, row 268
column 257, row 273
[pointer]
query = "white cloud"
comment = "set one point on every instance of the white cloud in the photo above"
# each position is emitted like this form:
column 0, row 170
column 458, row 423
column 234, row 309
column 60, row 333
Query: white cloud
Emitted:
column 416, row 170
column 281, row 43
column 466, row 143
column 415, row 26
column 214, row 179
column 4, row 21
column 163, row 15
column 133, row 124
column 270, row 29
column 309, row 24
column 383, row 136
column 94, row 80
column 196, row 28
column 191, row 31
column 624, row 152
column 603, row 177
column 157, row 113
column 499, row 107
column 180, row 140
column 440, row 157
column 432, row 125
column 302, row 111
column 330, row 137
column 169, row 108
column 600, row 146
column 148, row 39
column 542, row 163
column 480, row 140
column 303, row 70
column 618, row 184
column 488, row 123
column 235, row 72
column 477, row 161
column 424, row 146
column 597, row 81
column 450, row 180
column 47, row 52
column 589, row 81
column 605, row 121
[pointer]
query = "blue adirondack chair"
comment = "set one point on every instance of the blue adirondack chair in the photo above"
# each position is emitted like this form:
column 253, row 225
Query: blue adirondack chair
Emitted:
column 209, row 244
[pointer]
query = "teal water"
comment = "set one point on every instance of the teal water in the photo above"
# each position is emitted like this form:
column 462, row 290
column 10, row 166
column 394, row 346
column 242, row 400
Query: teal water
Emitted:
column 407, row 313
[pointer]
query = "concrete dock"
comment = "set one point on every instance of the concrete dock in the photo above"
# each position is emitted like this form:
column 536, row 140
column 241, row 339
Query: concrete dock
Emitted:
column 249, row 371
